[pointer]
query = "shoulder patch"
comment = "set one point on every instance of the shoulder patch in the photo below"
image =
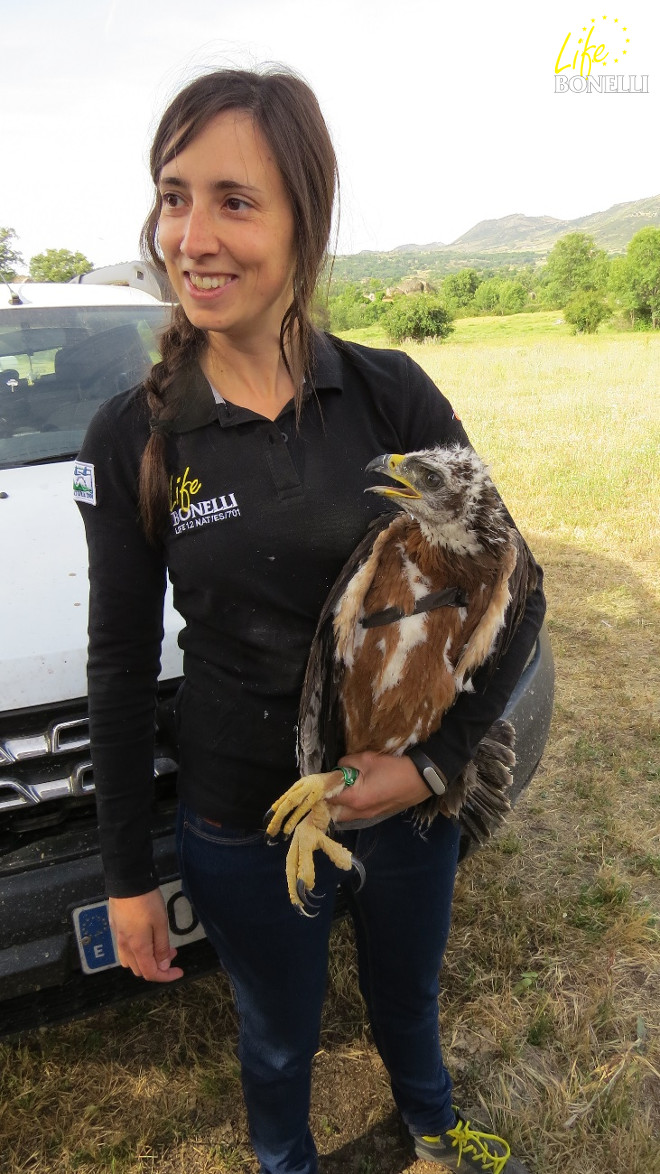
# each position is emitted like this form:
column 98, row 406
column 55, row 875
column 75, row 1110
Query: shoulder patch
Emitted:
column 84, row 483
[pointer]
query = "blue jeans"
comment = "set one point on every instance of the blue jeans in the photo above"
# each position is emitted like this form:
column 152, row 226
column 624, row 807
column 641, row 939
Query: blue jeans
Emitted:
column 277, row 963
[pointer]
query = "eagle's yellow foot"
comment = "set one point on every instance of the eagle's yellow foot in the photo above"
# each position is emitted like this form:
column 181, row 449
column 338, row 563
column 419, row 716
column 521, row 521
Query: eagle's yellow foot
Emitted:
column 308, row 836
column 300, row 798
column 303, row 814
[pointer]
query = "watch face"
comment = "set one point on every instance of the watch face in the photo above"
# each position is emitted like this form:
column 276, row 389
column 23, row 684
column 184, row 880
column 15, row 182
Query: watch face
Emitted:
column 434, row 781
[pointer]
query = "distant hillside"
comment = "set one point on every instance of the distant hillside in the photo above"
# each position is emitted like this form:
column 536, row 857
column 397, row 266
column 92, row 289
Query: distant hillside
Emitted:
column 433, row 264
column 434, row 247
column 494, row 244
column 611, row 229
column 511, row 233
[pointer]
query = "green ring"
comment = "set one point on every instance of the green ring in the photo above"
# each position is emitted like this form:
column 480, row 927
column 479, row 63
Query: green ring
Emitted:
column 350, row 774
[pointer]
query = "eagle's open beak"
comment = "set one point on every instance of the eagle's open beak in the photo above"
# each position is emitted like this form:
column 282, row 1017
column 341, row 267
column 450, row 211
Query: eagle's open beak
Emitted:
column 388, row 463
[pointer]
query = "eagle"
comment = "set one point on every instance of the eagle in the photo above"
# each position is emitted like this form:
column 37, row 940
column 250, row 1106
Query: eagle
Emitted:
column 434, row 591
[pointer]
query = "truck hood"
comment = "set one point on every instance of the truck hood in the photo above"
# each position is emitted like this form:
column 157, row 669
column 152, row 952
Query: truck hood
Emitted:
column 43, row 591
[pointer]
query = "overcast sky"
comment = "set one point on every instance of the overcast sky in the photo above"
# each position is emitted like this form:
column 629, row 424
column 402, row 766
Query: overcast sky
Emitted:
column 442, row 114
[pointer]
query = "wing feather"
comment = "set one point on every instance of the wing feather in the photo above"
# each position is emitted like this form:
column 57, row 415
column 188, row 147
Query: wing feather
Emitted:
column 504, row 613
column 320, row 725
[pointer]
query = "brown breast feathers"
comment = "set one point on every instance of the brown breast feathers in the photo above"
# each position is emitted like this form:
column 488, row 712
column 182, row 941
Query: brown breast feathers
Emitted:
column 399, row 678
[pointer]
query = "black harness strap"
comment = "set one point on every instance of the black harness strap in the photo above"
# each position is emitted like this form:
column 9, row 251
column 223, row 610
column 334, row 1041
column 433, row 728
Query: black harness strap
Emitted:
column 447, row 597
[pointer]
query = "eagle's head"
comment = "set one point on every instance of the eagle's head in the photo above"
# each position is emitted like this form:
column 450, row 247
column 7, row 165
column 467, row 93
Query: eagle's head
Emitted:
column 449, row 492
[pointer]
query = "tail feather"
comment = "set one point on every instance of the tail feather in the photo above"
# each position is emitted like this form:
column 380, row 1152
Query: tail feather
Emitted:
column 479, row 797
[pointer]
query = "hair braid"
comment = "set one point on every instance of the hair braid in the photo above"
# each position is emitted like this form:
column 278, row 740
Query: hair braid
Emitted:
column 181, row 343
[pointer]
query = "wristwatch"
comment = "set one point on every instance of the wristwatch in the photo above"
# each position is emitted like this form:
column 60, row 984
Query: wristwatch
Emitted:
column 431, row 774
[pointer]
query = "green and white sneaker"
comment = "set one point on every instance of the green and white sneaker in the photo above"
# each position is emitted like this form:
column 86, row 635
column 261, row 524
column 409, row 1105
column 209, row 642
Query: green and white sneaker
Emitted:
column 465, row 1148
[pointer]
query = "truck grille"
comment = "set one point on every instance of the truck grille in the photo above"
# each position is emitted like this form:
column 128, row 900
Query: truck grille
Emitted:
column 46, row 775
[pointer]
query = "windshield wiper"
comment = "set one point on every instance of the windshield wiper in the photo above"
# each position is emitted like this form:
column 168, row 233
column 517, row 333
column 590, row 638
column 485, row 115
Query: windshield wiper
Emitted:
column 49, row 460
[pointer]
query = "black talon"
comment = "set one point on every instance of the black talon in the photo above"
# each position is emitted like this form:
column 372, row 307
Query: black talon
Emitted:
column 307, row 898
column 271, row 842
column 362, row 876
column 268, row 816
column 304, row 913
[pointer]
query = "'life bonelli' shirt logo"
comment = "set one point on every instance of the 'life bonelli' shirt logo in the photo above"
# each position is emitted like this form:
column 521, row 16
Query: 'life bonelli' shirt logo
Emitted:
column 188, row 512
column 84, row 483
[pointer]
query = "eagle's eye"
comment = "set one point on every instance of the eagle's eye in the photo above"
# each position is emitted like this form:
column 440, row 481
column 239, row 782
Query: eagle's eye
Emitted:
column 431, row 479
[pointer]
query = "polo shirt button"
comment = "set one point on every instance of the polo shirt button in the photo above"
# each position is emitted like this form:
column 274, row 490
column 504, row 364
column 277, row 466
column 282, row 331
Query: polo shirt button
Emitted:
column 284, row 436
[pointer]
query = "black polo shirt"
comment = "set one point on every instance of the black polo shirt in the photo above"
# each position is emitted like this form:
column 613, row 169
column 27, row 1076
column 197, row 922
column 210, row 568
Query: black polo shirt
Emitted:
column 263, row 515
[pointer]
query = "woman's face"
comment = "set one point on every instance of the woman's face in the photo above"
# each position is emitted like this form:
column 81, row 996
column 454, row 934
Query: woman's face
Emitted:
column 226, row 230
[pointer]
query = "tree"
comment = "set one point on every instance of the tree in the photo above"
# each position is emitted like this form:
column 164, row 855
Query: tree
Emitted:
column 417, row 316
column 487, row 296
column 9, row 256
column 460, row 287
column 622, row 289
column 574, row 264
column 354, row 308
column 643, row 261
column 513, row 297
column 58, row 265
column 586, row 311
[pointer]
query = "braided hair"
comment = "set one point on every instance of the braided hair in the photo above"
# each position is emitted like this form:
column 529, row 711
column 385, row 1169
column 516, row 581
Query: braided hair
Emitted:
column 287, row 114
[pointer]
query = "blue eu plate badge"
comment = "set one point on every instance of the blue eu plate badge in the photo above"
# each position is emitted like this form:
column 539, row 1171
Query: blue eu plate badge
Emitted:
column 96, row 944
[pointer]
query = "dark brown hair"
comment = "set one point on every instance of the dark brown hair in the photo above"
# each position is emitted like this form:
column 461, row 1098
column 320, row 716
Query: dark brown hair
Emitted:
column 287, row 113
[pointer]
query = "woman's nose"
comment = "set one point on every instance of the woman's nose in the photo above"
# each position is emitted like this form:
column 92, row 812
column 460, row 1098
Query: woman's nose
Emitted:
column 201, row 235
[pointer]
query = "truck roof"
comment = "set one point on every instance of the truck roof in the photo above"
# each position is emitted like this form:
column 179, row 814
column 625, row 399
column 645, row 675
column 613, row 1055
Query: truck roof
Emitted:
column 66, row 294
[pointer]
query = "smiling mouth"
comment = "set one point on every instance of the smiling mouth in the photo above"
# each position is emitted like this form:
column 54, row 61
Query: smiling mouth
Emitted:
column 200, row 281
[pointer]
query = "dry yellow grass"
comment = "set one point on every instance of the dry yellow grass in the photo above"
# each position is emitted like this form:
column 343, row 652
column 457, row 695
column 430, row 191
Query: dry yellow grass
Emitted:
column 551, row 1006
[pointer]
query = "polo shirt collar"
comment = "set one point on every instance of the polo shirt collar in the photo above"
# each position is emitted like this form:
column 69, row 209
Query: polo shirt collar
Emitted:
column 328, row 371
column 196, row 405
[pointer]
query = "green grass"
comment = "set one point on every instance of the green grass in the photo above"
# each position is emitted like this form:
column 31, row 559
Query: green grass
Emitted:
column 569, row 423
column 499, row 329
column 482, row 330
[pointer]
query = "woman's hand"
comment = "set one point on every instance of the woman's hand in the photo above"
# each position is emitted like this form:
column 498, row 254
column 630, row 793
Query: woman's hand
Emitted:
column 141, row 932
column 385, row 785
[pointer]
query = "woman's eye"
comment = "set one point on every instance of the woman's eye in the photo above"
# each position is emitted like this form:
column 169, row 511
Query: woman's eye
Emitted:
column 432, row 480
column 236, row 204
column 171, row 199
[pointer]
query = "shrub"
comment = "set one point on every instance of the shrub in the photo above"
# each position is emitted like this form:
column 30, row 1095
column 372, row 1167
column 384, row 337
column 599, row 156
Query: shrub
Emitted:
column 417, row 316
column 585, row 312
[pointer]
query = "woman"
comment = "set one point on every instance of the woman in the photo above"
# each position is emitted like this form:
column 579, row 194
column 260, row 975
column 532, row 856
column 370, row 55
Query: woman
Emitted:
column 238, row 468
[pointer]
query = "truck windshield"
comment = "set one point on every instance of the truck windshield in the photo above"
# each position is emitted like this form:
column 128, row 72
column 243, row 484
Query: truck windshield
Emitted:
column 57, row 365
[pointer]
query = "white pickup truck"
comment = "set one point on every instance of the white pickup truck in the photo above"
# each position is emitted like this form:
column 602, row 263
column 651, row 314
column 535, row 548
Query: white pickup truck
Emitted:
column 64, row 349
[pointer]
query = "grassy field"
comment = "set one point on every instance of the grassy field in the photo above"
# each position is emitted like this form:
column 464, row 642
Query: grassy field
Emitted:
column 551, row 988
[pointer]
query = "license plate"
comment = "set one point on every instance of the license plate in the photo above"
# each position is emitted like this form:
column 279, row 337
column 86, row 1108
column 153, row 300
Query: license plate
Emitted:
column 97, row 946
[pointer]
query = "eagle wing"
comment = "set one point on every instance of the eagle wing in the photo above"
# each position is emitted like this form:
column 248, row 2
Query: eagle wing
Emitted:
column 320, row 725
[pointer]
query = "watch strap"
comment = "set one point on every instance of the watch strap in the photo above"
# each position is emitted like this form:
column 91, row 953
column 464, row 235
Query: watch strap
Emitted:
column 428, row 771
